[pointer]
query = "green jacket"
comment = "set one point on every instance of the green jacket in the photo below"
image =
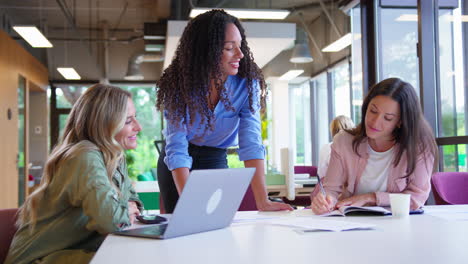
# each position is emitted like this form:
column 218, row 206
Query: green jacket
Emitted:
column 80, row 207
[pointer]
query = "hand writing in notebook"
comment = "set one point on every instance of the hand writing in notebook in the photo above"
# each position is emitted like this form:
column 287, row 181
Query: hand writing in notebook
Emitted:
column 323, row 204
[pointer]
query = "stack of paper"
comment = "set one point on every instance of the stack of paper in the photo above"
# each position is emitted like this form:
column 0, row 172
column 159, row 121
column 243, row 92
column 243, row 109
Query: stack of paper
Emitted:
column 307, row 224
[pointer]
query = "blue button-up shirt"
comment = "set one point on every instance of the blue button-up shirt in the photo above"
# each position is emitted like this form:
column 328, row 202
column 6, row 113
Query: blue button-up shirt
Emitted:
column 231, row 128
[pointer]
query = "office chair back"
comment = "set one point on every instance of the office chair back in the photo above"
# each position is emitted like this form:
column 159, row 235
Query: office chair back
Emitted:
column 7, row 230
column 248, row 203
column 450, row 187
column 311, row 170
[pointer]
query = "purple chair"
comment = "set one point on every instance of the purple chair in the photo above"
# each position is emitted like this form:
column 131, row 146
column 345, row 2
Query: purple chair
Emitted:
column 450, row 187
column 302, row 200
column 311, row 170
column 7, row 230
column 248, row 203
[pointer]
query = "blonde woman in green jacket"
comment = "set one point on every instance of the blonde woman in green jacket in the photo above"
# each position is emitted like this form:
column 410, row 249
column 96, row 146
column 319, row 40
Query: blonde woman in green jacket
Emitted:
column 84, row 192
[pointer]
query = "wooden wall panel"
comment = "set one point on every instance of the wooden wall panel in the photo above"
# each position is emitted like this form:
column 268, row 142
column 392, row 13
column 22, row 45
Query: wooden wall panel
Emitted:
column 14, row 61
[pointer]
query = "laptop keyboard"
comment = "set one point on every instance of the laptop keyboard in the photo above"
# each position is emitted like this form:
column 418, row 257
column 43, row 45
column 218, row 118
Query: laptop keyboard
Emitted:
column 156, row 230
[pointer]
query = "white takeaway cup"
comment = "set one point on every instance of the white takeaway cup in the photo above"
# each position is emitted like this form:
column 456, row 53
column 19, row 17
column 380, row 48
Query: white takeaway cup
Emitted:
column 400, row 204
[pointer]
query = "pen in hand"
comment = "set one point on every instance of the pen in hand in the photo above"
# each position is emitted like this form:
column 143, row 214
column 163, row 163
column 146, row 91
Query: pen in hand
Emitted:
column 322, row 190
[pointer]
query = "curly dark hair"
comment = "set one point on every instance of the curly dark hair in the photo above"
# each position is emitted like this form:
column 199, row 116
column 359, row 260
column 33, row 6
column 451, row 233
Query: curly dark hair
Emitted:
column 184, row 87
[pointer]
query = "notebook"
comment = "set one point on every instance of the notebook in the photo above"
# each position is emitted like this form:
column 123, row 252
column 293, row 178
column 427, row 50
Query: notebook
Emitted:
column 209, row 201
column 366, row 210
column 359, row 210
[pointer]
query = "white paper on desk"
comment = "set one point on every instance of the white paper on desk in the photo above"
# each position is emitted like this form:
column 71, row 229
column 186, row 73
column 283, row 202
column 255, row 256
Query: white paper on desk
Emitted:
column 306, row 224
column 452, row 216
column 252, row 216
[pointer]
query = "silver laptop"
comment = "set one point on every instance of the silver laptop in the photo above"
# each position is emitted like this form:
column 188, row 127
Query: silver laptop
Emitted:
column 209, row 201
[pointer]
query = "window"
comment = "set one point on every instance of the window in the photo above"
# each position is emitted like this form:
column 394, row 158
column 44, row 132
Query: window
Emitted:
column 145, row 156
column 452, row 101
column 341, row 90
column 321, row 108
column 398, row 35
column 356, row 65
column 299, row 95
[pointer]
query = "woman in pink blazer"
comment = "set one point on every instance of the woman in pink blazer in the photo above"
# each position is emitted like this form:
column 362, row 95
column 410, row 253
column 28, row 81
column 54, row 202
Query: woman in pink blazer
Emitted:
column 392, row 150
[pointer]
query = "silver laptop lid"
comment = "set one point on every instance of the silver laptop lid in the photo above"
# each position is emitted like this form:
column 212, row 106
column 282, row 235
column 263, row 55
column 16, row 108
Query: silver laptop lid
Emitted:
column 209, row 200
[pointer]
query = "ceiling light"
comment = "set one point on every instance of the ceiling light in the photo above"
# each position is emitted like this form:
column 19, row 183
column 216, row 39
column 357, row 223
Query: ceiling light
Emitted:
column 247, row 13
column 69, row 73
column 407, row 18
column 339, row 44
column 291, row 74
column 301, row 52
column 454, row 18
column 133, row 72
column 33, row 36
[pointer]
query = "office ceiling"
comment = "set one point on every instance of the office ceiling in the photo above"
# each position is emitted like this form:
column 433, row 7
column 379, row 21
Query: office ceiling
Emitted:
column 76, row 29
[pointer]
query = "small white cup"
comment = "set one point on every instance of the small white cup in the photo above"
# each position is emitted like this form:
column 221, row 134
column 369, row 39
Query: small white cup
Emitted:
column 400, row 204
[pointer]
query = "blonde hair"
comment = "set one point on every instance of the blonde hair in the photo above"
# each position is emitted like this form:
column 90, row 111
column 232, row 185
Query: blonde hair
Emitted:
column 97, row 116
column 340, row 123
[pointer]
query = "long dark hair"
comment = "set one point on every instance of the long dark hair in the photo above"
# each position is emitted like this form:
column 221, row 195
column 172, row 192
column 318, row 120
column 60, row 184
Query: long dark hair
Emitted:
column 184, row 87
column 413, row 135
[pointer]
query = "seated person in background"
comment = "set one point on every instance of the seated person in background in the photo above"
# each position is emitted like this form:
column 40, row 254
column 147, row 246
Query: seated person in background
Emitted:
column 85, row 192
column 339, row 123
column 392, row 150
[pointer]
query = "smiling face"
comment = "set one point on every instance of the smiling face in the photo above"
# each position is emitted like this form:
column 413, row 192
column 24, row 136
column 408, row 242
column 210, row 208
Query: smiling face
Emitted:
column 382, row 117
column 232, row 53
column 127, row 136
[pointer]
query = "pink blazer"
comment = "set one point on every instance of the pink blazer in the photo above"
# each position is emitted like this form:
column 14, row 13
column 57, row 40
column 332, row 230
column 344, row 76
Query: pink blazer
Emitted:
column 345, row 170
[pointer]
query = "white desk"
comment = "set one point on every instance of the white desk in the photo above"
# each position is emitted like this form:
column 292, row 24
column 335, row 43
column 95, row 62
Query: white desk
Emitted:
column 419, row 239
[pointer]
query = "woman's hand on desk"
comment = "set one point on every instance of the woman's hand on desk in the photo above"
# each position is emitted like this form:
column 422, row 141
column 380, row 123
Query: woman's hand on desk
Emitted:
column 133, row 211
column 358, row 200
column 274, row 206
column 322, row 205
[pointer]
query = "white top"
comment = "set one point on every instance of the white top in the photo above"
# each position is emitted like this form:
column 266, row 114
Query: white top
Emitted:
column 324, row 159
column 375, row 175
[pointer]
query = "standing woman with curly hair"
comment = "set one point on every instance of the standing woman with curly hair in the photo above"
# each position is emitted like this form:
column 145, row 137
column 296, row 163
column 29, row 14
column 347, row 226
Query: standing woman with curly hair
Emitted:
column 211, row 95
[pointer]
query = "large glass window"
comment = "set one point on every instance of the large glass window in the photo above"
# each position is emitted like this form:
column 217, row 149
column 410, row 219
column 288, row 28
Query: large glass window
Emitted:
column 356, row 65
column 21, row 139
column 398, row 36
column 68, row 94
column 452, row 101
column 341, row 90
column 321, row 103
column 300, row 109
column 144, row 157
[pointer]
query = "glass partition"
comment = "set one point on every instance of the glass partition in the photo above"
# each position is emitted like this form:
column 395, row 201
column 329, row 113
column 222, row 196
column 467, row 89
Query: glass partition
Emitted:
column 453, row 33
column 21, row 139
column 397, row 39
column 300, row 107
